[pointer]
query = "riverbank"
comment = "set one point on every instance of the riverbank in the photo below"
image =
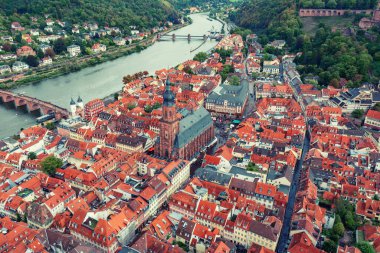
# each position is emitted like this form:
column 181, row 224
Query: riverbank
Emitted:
column 76, row 64
column 104, row 79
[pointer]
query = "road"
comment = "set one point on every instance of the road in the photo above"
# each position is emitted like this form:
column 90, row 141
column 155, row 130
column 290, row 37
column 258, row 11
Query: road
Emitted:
column 284, row 236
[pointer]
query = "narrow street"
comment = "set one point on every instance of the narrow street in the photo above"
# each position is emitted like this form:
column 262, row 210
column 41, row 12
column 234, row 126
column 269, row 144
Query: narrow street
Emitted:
column 284, row 236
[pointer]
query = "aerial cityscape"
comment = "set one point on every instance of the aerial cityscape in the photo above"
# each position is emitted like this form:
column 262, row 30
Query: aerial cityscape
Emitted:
column 205, row 126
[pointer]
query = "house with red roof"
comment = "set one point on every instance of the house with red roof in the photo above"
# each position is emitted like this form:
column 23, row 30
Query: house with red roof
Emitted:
column 25, row 51
column 147, row 242
column 17, row 27
column 301, row 243
column 372, row 119
column 248, row 231
column 347, row 249
column 184, row 203
column 62, row 195
column 265, row 193
column 96, row 232
column 219, row 247
column 369, row 209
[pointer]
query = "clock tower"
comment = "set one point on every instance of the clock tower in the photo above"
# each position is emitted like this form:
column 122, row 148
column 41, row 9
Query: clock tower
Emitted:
column 169, row 124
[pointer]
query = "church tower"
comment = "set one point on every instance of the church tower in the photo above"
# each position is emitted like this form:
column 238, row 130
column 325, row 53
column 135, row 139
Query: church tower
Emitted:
column 169, row 124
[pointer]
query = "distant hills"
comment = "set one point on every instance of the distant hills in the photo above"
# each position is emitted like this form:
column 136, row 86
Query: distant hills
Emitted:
column 120, row 13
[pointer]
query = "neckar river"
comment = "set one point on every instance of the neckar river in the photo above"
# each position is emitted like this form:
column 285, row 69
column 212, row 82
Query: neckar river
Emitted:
column 106, row 78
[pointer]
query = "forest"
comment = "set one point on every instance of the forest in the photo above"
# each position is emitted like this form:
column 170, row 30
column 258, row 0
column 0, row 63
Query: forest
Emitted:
column 274, row 19
column 331, row 56
column 339, row 4
column 120, row 13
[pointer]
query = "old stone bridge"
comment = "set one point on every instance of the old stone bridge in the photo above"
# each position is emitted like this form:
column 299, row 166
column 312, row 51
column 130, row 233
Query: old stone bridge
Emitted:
column 33, row 104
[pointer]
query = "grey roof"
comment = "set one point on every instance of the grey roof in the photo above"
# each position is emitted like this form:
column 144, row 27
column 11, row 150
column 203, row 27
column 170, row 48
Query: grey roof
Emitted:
column 284, row 188
column 376, row 96
column 235, row 95
column 192, row 126
column 263, row 230
column 210, row 174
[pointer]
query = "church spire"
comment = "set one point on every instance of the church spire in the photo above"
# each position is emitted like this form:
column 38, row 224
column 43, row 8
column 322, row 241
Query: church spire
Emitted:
column 169, row 96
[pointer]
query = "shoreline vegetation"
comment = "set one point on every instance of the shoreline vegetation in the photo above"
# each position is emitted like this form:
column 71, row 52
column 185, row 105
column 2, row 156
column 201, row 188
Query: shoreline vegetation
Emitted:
column 79, row 63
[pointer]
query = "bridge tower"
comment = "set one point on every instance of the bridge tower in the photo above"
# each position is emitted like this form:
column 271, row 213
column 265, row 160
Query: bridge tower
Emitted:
column 73, row 107
column 80, row 102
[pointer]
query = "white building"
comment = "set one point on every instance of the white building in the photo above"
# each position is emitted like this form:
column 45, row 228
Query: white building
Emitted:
column 271, row 67
column 46, row 61
column 44, row 47
column 73, row 50
column 5, row 69
column 19, row 66
column 177, row 172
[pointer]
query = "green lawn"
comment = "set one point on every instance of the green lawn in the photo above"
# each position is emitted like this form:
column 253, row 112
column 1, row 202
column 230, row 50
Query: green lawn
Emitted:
column 310, row 24
column 360, row 236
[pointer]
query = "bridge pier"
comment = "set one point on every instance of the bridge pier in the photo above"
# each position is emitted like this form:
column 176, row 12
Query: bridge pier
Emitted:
column 173, row 37
column 32, row 104
column 204, row 37
column 189, row 37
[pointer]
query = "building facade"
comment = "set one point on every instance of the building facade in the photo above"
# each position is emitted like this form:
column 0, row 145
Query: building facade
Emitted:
column 182, row 138
column 93, row 108
column 228, row 99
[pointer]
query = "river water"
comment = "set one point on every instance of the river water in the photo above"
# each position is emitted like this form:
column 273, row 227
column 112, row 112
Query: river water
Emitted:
column 106, row 78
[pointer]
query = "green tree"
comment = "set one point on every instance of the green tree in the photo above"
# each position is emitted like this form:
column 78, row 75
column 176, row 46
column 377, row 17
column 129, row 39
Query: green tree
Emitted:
column 131, row 106
column 156, row 106
column 59, row 46
column 338, row 228
column 349, row 221
column 365, row 247
column 234, row 80
column 18, row 37
column 40, row 53
column 331, row 4
column 50, row 164
column 330, row 246
column 376, row 197
column 148, row 108
column 116, row 96
column 357, row 113
column 50, row 126
column 252, row 167
column 32, row 156
column 188, row 70
column 227, row 69
column 377, row 107
column 32, row 61
column 201, row 57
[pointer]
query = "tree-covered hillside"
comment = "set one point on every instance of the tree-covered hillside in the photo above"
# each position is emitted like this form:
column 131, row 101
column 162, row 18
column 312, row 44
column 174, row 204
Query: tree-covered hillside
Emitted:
column 338, row 4
column 277, row 18
column 122, row 13
column 332, row 56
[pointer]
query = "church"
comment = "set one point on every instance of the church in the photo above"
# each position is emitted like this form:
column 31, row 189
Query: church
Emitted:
column 184, row 136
